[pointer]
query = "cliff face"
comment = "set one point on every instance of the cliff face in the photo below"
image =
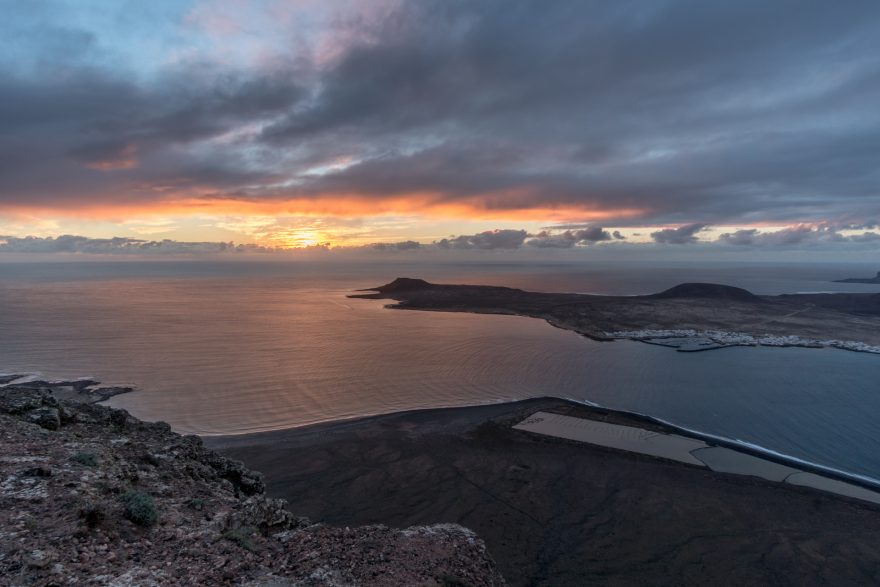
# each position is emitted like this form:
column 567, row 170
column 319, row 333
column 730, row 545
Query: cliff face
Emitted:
column 91, row 495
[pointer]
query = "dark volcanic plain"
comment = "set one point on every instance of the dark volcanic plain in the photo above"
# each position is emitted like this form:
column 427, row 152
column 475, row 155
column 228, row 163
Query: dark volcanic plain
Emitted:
column 554, row 512
column 697, row 306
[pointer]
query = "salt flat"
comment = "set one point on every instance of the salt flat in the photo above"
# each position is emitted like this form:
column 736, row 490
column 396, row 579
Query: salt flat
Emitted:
column 667, row 446
column 685, row 450
column 725, row 460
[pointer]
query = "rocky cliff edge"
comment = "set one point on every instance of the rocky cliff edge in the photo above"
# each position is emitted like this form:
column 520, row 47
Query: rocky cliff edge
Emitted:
column 90, row 495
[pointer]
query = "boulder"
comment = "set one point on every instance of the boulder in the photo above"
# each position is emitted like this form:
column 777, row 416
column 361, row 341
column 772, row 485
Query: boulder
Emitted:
column 48, row 418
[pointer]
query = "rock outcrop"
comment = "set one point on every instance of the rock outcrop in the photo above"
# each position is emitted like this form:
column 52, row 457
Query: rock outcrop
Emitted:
column 90, row 495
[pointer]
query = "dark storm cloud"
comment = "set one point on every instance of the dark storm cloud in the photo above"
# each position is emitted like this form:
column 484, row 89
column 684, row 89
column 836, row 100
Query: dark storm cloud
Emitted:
column 688, row 110
column 796, row 236
column 59, row 137
column 570, row 238
column 683, row 235
column 740, row 237
column 675, row 112
column 488, row 240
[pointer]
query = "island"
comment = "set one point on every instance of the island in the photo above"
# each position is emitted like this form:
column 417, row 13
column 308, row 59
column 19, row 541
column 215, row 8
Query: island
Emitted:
column 873, row 280
column 688, row 317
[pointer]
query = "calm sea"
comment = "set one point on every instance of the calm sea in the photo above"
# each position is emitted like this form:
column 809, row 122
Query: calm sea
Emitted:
column 219, row 348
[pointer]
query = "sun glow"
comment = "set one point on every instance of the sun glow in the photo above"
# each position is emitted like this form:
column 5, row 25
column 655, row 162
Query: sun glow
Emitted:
column 297, row 239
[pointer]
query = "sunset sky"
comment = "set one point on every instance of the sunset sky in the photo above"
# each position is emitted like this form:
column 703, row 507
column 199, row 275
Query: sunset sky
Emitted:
column 451, row 124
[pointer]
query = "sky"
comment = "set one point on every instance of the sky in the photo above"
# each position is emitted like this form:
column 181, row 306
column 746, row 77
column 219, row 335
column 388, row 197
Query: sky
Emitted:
column 177, row 126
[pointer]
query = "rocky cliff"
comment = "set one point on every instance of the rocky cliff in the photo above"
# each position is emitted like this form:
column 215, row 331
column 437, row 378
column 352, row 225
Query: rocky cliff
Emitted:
column 90, row 495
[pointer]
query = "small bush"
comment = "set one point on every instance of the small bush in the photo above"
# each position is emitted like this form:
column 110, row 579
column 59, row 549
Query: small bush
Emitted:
column 240, row 536
column 197, row 503
column 87, row 459
column 139, row 508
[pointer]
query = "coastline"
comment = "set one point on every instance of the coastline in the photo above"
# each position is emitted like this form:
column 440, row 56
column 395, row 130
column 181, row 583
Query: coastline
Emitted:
column 476, row 413
column 706, row 316
column 92, row 495
column 545, row 504
column 90, row 390
column 81, row 389
column 548, row 506
column 717, row 339
column 467, row 493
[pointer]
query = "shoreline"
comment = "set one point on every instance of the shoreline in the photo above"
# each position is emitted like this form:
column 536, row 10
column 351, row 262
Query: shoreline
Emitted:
column 705, row 316
column 719, row 339
column 82, row 389
column 558, row 511
column 92, row 495
column 747, row 448
column 90, row 390
column 323, row 427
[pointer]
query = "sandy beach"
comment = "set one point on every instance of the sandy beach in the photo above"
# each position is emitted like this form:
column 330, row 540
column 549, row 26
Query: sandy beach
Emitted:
column 555, row 511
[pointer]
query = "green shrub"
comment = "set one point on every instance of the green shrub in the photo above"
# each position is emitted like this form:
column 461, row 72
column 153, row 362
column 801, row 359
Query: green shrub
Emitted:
column 139, row 508
column 87, row 459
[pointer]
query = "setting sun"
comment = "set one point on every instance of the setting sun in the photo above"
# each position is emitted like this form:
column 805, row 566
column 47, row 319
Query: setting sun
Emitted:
column 297, row 239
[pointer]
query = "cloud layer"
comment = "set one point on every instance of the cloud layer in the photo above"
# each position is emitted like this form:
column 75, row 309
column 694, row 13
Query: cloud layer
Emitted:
column 682, row 112
column 682, row 235
column 501, row 240
column 102, row 246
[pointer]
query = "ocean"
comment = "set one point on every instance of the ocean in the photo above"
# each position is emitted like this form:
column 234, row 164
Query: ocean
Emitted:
column 238, row 347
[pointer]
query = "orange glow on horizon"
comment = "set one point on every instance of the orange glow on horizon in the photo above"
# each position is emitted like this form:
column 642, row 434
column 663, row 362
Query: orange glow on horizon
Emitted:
column 308, row 221
column 333, row 205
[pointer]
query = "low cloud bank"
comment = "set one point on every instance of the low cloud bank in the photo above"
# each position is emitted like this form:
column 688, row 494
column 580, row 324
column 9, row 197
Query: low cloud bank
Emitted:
column 795, row 236
column 825, row 236
column 683, row 235
column 488, row 240
column 571, row 238
column 117, row 245
column 398, row 246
